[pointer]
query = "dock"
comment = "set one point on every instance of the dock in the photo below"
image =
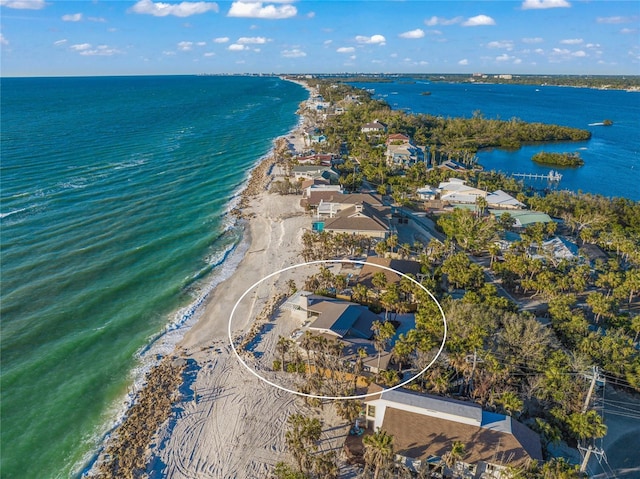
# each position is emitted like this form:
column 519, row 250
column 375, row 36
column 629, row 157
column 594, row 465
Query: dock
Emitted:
column 551, row 176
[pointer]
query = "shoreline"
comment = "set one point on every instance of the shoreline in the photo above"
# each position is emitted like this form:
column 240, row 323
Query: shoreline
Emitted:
column 199, row 325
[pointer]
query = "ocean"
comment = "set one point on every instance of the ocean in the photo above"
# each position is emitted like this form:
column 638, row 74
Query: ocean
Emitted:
column 114, row 226
column 611, row 156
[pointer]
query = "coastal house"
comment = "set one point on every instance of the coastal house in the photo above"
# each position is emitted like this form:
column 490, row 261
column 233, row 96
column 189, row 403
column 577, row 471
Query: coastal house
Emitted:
column 456, row 191
column 336, row 200
column 361, row 219
column 427, row 193
column 375, row 126
column 501, row 200
column 401, row 152
column 311, row 172
column 349, row 323
column 403, row 266
column 523, row 218
column 424, row 428
column 452, row 165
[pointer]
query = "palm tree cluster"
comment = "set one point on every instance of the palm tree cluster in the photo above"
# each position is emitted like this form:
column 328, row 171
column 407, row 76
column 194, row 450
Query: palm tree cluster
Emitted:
column 302, row 439
column 324, row 245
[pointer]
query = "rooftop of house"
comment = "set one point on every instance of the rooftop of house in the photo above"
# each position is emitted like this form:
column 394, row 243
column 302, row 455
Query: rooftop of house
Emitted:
column 343, row 198
column 419, row 437
column 523, row 218
column 343, row 318
column 360, row 217
column 401, row 265
column 420, row 430
column 500, row 198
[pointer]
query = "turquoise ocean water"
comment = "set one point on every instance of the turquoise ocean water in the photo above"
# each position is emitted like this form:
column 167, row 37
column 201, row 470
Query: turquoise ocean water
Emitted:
column 113, row 227
column 611, row 156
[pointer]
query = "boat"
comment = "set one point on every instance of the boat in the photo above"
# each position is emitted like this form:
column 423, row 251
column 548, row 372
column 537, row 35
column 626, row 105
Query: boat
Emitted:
column 425, row 93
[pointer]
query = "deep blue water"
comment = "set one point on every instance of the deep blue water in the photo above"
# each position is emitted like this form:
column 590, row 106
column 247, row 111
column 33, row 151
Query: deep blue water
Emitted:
column 113, row 227
column 612, row 155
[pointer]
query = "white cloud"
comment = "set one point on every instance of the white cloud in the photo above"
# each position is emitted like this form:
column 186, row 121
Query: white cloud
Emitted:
column 592, row 45
column 504, row 58
column 327, row 42
column 433, row 21
column 560, row 51
column 373, row 40
column 72, row 17
column 236, row 47
column 346, row 50
column 221, row 40
column 417, row 33
column 252, row 40
column 3, row 40
column 352, row 57
column 572, row 41
column 185, row 46
column 626, row 31
column 542, row 4
column 464, row 61
column 311, row 14
column 80, row 46
column 614, row 20
column 532, row 40
column 209, row 54
column 539, row 51
column 506, row 44
column 201, row 44
column 97, row 19
column 60, row 42
column 168, row 53
column 479, row 20
column 24, row 4
column 517, row 61
column 579, row 54
column 260, row 10
column 294, row 53
column 183, row 9
column 101, row 51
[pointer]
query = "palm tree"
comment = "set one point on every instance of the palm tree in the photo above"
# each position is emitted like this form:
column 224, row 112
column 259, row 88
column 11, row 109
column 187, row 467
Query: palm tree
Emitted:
column 378, row 451
column 383, row 332
column 306, row 342
column 481, row 205
column 392, row 242
column 455, row 454
column 283, row 346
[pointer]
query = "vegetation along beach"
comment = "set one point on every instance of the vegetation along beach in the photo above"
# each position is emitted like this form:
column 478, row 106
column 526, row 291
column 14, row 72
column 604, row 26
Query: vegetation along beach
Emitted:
column 230, row 247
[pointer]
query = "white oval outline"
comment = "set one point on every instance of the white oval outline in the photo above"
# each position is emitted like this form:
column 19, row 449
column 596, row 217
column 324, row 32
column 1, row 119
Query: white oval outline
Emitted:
column 360, row 396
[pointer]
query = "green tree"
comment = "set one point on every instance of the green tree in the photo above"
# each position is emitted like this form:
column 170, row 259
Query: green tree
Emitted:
column 382, row 334
column 586, row 426
column 283, row 346
column 470, row 232
column 302, row 438
column 378, row 451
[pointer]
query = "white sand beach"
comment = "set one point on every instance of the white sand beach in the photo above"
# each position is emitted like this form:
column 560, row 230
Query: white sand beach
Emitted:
column 236, row 427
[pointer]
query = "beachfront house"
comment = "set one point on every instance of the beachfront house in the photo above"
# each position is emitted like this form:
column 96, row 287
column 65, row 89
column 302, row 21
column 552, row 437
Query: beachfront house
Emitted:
column 424, row 428
column 361, row 219
column 334, row 319
column 311, row 172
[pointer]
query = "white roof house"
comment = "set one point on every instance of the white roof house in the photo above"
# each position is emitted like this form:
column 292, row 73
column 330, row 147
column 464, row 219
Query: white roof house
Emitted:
column 500, row 199
column 456, row 191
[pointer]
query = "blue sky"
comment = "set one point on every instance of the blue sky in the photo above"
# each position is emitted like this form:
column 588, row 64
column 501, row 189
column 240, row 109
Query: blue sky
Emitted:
column 102, row 37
